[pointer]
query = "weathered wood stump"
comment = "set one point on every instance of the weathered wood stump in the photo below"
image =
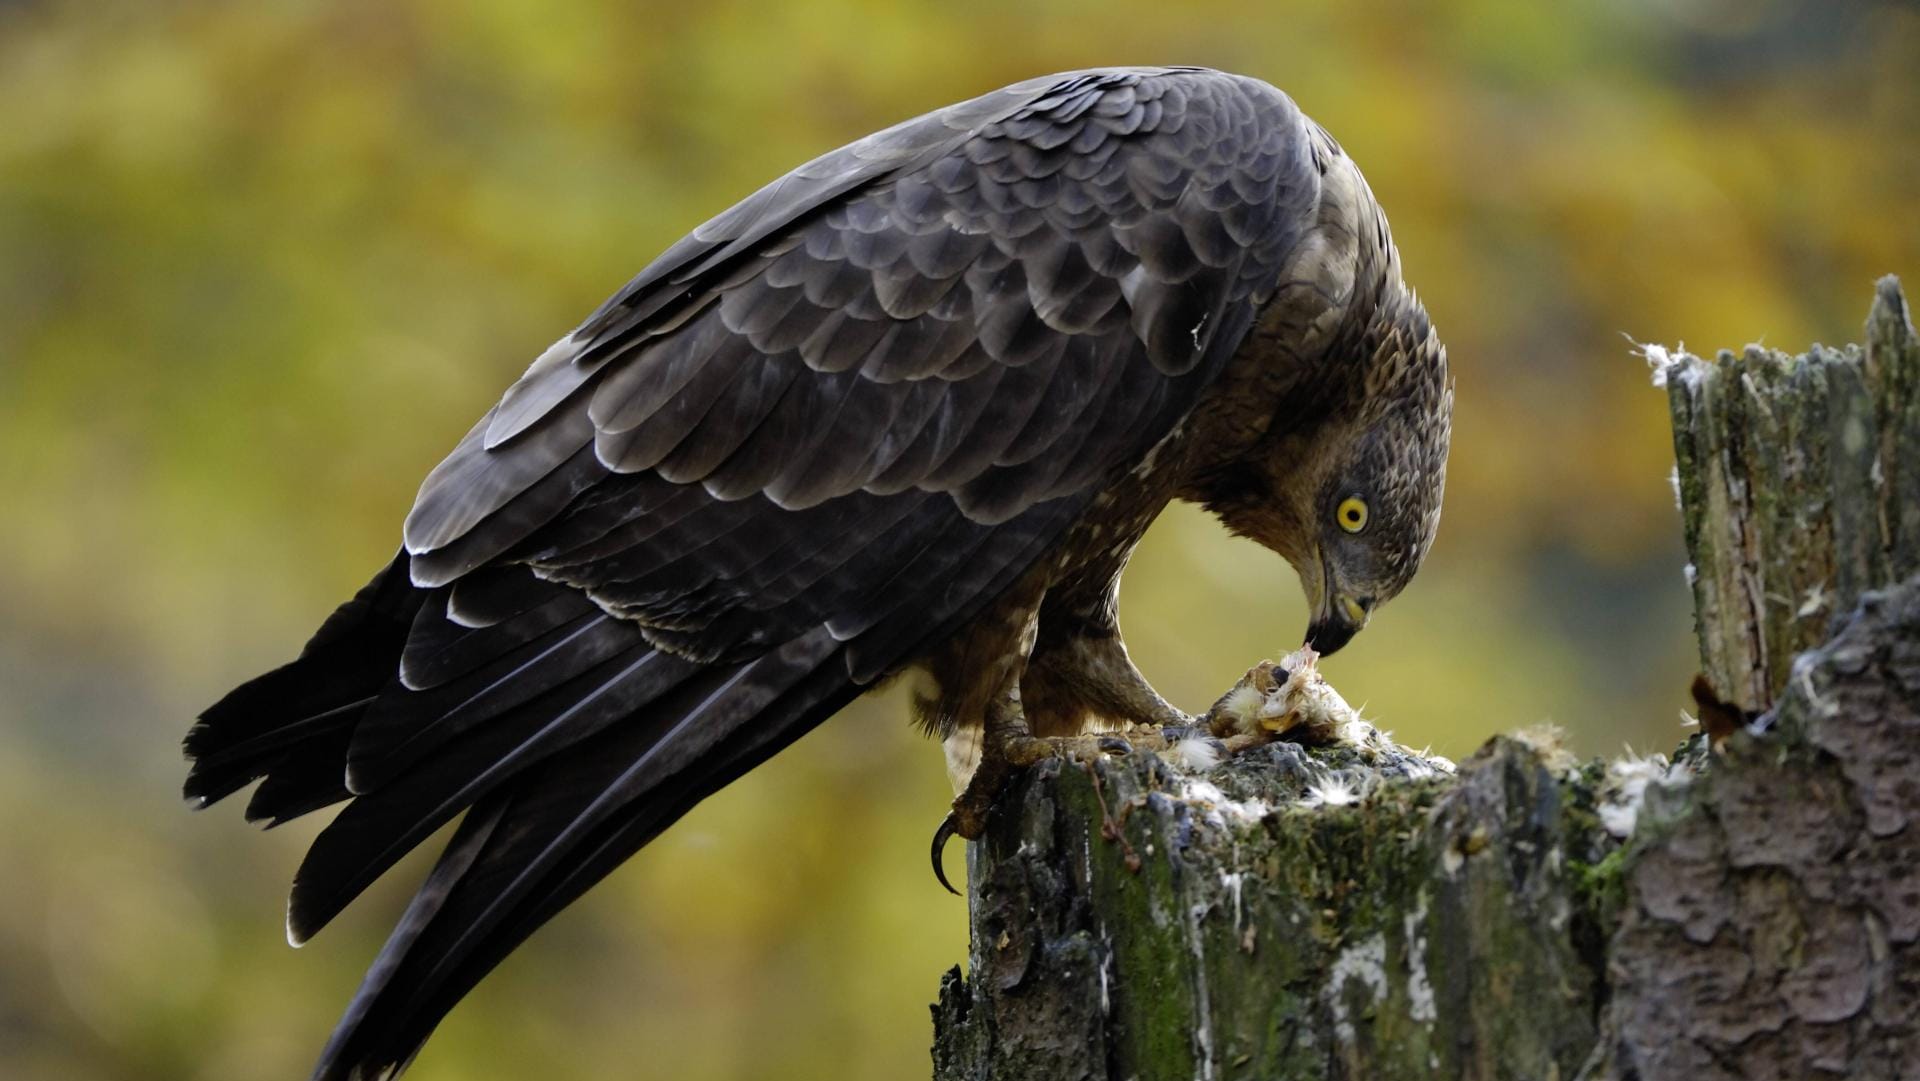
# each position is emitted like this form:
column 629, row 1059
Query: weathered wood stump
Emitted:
column 1799, row 485
column 1368, row 913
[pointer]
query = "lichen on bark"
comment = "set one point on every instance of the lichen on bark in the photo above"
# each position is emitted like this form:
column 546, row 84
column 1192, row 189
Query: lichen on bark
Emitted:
column 1415, row 921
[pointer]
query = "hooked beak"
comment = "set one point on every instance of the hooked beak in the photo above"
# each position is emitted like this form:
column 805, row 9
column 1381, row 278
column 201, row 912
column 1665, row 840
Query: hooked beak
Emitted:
column 1337, row 616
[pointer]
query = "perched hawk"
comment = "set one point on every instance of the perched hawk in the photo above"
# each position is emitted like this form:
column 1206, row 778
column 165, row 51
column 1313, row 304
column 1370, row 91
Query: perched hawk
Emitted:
column 910, row 405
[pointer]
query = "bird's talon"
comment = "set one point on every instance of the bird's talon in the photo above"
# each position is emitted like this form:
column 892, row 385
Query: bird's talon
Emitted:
column 1116, row 746
column 949, row 826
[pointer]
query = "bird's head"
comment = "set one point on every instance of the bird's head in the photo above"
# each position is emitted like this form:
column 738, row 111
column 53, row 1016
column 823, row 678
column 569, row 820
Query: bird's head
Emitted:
column 1370, row 517
column 1352, row 499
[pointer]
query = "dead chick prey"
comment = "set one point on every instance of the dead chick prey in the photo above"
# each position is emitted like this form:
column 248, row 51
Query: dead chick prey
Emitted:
column 1288, row 697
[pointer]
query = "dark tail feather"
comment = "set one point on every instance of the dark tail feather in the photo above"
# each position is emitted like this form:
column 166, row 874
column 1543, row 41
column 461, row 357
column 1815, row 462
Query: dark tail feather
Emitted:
column 293, row 721
column 305, row 782
column 538, row 842
column 343, row 720
column 378, row 828
column 405, row 727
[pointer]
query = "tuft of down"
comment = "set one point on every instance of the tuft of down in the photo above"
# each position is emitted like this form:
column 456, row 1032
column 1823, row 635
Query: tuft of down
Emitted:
column 1196, row 754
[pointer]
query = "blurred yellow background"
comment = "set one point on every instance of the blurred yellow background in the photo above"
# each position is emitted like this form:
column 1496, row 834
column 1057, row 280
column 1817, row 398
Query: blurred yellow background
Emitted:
column 262, row 263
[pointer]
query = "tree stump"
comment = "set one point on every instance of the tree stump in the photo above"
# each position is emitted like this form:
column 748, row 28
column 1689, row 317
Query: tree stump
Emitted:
column 1799, row 486
column 1746, row 912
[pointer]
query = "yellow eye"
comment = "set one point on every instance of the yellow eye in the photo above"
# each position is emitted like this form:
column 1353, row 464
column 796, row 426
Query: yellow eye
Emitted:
column 1352, row 514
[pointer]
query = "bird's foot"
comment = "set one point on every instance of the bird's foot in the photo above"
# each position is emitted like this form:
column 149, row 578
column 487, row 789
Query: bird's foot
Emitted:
column 968, row 818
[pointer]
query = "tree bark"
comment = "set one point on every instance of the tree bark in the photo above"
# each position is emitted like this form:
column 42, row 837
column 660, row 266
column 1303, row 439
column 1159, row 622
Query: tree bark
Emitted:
column 1749, row 912
column 1799, row 486
column 1772, row 906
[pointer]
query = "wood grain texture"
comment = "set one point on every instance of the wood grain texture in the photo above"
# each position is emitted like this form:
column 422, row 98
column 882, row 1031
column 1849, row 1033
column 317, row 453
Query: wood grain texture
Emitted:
column 1799, row 484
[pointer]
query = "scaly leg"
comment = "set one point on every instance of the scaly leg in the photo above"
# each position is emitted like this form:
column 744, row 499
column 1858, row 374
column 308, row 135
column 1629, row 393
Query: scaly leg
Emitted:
column 1088, row 682
column 1006, row 745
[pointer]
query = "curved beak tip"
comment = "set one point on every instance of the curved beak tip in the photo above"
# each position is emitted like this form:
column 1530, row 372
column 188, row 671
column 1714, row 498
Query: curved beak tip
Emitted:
column 1326, row 636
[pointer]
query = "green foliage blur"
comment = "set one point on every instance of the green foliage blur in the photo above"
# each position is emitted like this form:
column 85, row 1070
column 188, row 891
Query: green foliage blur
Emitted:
column 262, row 263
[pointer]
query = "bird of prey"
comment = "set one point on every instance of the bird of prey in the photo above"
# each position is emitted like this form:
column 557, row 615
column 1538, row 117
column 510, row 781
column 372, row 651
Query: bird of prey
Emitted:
column 909, row 406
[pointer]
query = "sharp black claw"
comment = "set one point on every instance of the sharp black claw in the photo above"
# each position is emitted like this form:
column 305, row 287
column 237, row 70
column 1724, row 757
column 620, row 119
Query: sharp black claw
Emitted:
column 940, row 838
column 1114, row 745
